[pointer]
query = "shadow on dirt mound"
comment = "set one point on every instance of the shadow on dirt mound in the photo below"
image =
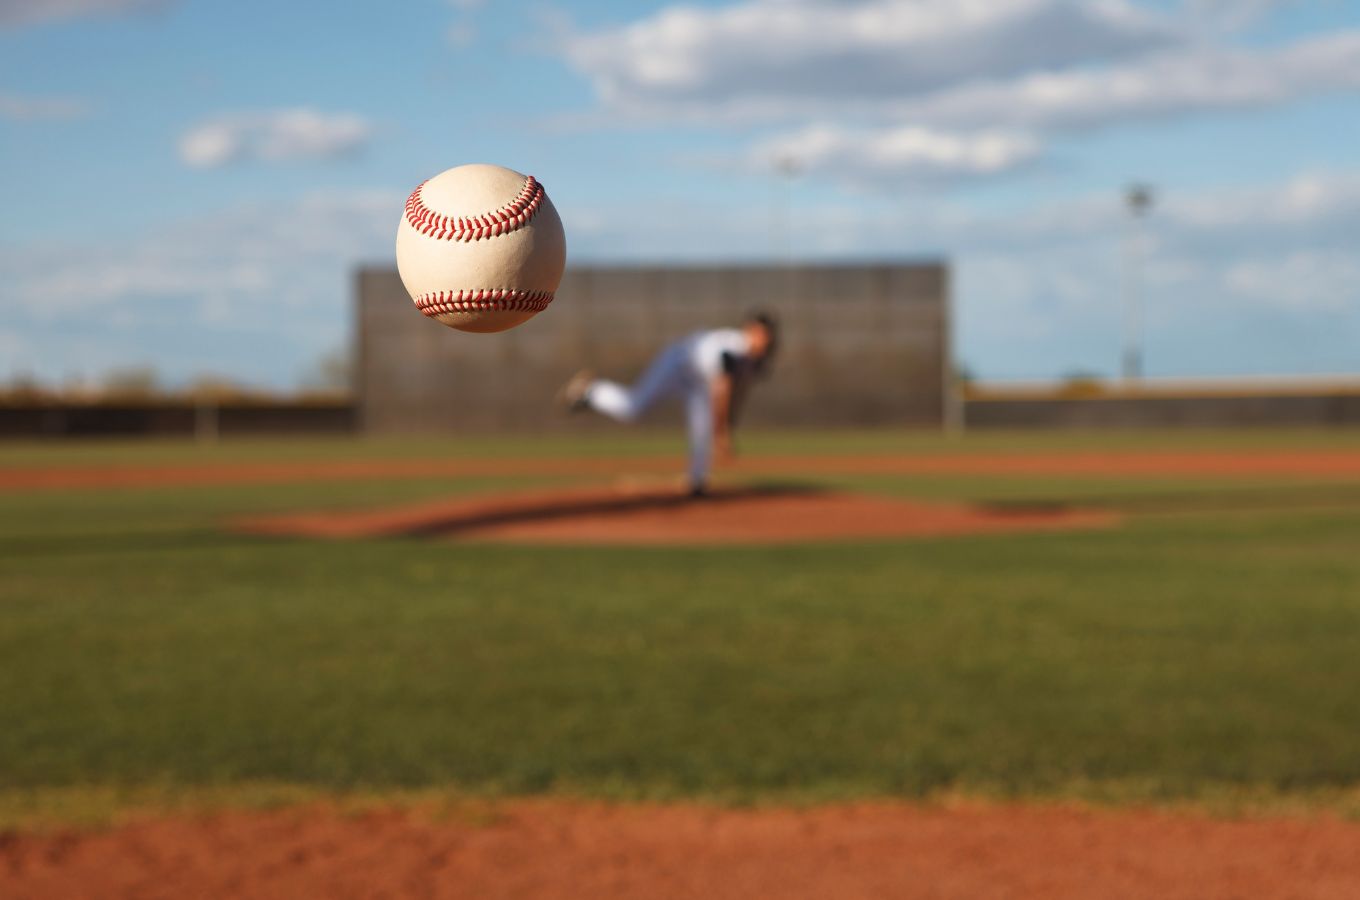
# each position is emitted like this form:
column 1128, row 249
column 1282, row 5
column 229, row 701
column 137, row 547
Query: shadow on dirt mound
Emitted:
column 764, row 514
column 566, row 506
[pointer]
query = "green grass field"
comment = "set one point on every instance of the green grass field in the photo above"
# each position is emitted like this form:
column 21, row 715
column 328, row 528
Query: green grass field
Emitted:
column 1208, row 648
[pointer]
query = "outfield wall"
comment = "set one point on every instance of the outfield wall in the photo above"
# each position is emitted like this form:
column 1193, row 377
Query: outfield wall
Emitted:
column 174, row 419
column 1320, row 410
column 188, row 420
column 862, row 345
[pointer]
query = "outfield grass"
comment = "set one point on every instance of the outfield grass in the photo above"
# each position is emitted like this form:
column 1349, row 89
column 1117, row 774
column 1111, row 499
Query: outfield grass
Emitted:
column 1211, row 644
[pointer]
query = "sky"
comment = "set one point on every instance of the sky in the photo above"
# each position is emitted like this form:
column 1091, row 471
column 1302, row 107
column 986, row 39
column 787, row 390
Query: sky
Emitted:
column 190, row 185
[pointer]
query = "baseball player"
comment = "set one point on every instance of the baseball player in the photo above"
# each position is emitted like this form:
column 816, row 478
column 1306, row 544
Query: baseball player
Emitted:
column 711, row 370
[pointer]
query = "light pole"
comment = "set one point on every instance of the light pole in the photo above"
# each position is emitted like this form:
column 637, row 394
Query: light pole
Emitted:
column 788, row 168
column 1138, row 200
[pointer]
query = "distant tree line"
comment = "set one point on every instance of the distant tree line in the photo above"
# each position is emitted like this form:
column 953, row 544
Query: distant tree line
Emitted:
column 329, row 378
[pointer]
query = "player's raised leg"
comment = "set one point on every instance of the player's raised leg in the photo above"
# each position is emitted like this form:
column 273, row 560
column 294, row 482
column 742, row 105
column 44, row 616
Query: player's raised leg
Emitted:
column 624, row 403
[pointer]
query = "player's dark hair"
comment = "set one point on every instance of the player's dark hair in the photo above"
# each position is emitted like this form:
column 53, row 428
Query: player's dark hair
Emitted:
column 744, row 370
column 771, row 325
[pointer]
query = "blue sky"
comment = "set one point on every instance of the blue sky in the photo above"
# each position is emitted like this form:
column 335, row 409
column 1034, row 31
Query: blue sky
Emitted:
column 190, row 184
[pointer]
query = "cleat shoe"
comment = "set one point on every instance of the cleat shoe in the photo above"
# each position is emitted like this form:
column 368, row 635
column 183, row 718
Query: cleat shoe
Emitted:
column 572, row 395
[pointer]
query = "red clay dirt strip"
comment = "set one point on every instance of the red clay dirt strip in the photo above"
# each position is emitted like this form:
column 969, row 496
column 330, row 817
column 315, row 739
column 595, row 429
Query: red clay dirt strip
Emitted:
column 564, row 851
column 1128, row 464
column 620, row 515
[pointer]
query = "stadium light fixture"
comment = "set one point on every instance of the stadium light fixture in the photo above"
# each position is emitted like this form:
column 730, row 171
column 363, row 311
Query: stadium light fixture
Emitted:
column 1138, row 200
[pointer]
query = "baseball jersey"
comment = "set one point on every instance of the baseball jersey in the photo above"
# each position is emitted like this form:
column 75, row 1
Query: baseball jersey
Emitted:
column 706, row 349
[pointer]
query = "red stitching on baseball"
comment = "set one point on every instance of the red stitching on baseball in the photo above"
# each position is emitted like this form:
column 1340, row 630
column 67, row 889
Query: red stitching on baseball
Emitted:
column 511, row 217
column 439, row 303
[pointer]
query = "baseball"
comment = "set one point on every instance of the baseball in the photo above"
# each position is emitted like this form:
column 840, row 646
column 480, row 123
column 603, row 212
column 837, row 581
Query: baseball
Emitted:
column 480, row 248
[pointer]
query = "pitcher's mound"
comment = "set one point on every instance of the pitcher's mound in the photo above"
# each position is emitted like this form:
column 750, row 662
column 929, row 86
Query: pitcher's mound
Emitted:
column 622, row 515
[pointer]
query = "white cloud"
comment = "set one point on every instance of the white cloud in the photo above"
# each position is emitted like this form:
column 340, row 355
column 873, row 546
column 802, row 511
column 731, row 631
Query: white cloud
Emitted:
column 1250, row 279
column 273, row 136
column 255, row 291
column 1301, row 206
column 956, row 63
column 1233, row 14
column 781, row 54
column 463, row 31
column 1299, row 280
column 19, row 108
column 1198, row 79
column 911, row 153
column 248, row 252
column 876, row 77
column 15, row 13
column 1311, row 210
column 461, row 34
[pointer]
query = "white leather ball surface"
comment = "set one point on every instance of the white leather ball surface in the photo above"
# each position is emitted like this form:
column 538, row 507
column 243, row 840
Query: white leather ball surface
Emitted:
column 480, row 248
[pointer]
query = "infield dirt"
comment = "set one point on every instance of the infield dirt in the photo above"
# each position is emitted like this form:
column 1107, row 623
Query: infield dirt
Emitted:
column 559, row 849
column 623, row 515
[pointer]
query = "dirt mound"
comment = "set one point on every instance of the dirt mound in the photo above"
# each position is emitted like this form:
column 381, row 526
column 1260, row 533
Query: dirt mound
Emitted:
column 559, row 850
column 649, row 516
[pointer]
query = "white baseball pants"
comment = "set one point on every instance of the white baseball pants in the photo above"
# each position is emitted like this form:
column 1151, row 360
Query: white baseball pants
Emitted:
column 669, row 374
